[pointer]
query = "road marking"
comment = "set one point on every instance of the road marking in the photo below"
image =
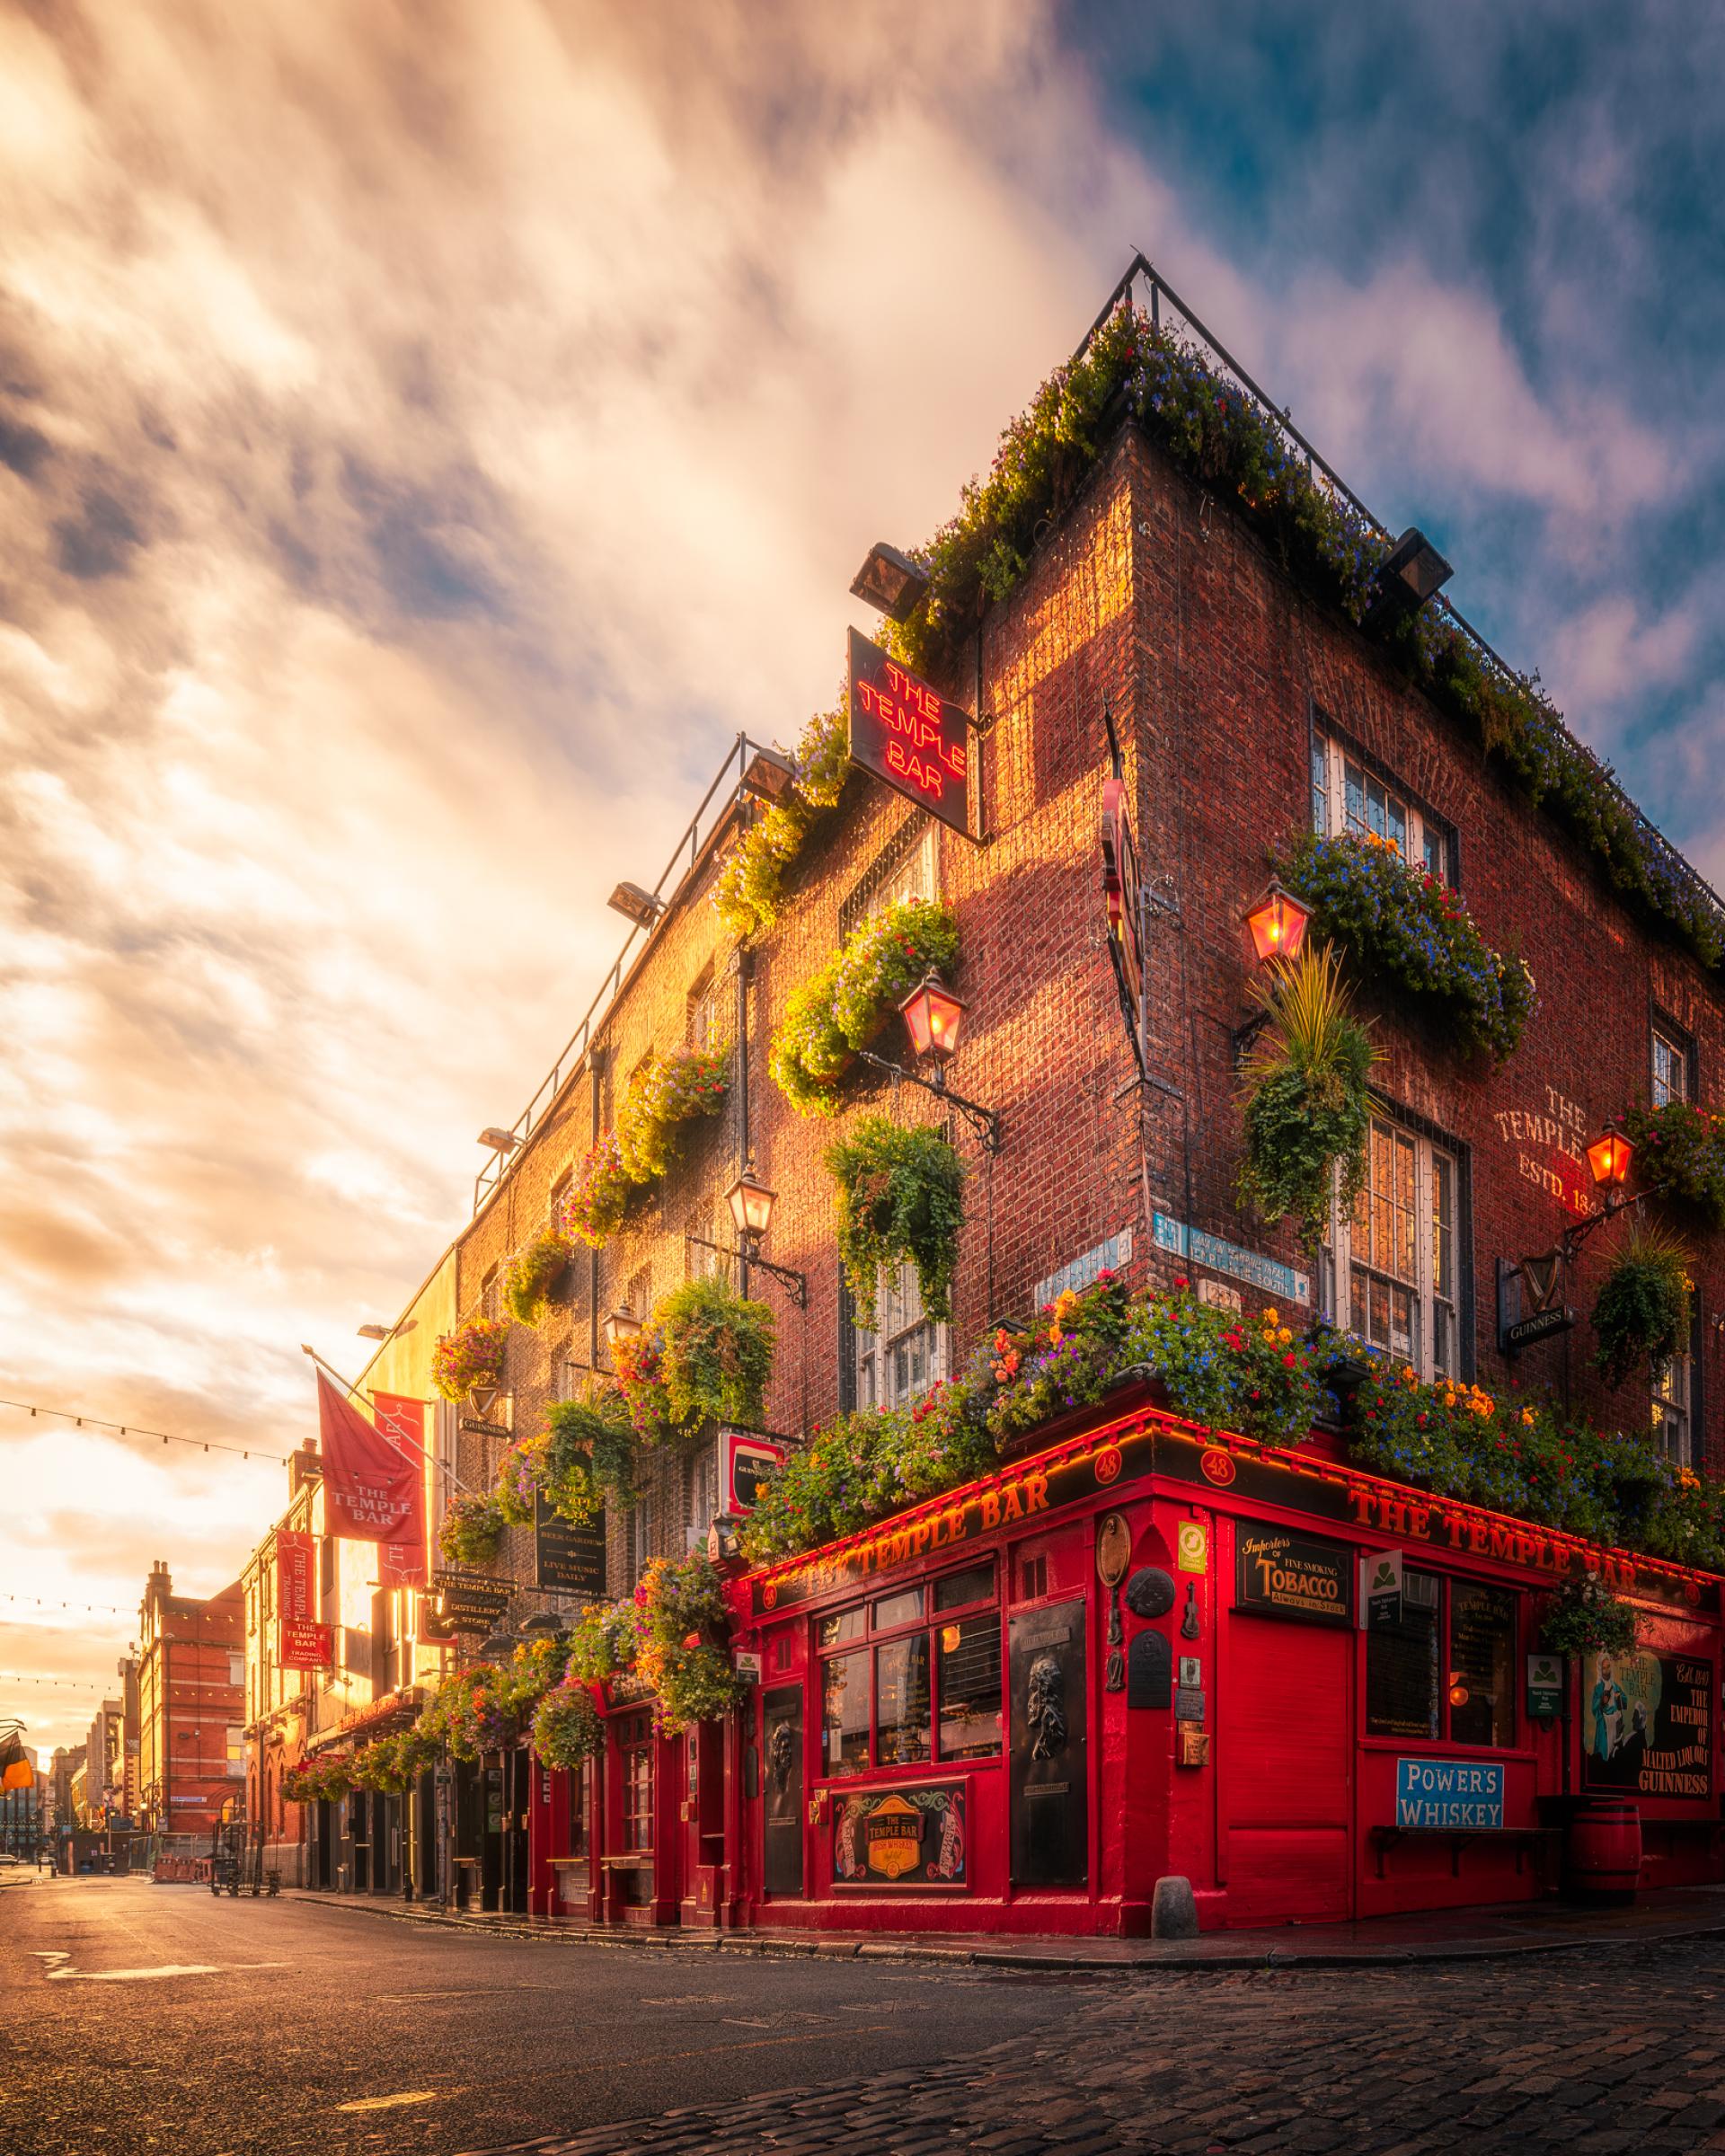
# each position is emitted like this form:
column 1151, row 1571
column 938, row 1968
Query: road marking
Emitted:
column 389, row 2103
column 169, row 1968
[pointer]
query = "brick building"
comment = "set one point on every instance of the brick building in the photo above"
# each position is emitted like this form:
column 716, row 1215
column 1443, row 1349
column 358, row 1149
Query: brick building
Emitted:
column 1246, row 710
column 190, row 1695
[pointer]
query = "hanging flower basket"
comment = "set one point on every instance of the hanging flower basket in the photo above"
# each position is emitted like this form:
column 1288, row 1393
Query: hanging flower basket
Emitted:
column 900, row 1200
column 1642, row 1313
column 842, row 1007
column 533, row 1272
column 473, row 1528
column 472, row 1355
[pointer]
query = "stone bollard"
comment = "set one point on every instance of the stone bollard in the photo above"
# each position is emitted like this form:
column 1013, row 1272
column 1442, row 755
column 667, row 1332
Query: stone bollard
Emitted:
column 1174, row 1911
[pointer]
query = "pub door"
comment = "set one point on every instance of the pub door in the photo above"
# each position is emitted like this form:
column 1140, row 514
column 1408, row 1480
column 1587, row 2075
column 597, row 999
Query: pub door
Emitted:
column 1286, row 1737
column 517, row 1767
column 782, row 1811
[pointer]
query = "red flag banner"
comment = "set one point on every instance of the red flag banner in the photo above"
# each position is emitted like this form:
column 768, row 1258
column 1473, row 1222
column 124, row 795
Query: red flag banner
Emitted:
column 305, row 1644
column 401, row 1563
column 370, row 1486
column 296, row 1554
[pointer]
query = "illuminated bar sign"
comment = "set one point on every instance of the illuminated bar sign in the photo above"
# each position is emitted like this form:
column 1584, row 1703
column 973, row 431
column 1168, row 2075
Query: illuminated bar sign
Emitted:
column 909, row 735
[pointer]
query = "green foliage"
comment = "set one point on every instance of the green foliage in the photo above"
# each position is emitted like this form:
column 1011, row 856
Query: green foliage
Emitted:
column 520, row 1476
column 663, row 1095
column 590, row 1454
column 704, row 1355
column 601, row 1194
column 472, row 1355
column 900, row 1200
column 394, row 1762
column 1307, row 1097
column 326, row 1777
column 839, row 1009
column 532, row 1273
column 1680, row 1153
column 1584, row 1617
column 471, row 1712
column 1404, row 928
column 472, row 1529
column 1228, row 1370
column 567, row 1727
column 750, row 890
column 1067, row 1360
column 1641, row 1313
column 1236, row 447
column 666, row 1640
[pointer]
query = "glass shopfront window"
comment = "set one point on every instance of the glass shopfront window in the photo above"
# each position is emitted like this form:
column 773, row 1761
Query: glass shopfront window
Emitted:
column 1444, row 1669
column 912, row 1676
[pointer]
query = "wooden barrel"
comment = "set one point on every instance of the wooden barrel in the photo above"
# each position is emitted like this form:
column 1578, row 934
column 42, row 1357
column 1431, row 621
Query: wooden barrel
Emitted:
column 1603, row 1849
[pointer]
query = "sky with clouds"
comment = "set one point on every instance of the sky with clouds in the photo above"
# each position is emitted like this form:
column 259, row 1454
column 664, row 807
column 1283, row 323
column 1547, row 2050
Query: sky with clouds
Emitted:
column 429, row 432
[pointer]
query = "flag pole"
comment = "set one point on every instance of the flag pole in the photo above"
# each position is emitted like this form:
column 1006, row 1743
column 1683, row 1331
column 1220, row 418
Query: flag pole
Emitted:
column 395, row 1436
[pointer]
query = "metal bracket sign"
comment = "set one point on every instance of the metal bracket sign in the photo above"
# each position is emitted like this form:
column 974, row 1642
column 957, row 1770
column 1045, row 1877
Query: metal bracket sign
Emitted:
column 908, row 734
column 1544, row 1279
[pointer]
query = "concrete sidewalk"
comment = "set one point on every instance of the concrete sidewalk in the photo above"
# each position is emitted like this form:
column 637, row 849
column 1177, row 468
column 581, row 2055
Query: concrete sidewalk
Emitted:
column 1490, row 1934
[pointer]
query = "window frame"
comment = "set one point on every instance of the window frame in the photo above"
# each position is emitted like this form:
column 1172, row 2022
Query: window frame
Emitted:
column 1430, row 838
column 1336, row 1261
column 864, row 1645
column 1520, row 1743
column 1678, row 1415
column 1664, row 1032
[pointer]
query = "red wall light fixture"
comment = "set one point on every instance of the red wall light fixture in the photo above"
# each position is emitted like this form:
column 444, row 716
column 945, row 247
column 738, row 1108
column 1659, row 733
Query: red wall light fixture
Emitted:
column 934, row 1018
column 1609, row 1157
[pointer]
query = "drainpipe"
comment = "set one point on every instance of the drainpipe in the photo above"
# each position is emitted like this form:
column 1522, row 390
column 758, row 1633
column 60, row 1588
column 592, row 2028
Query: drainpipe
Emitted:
column 745, row 975
column 595, row 1072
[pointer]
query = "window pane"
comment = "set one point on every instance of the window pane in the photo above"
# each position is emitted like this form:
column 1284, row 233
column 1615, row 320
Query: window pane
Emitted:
column 848, row 1625
column 844, row 1714
column 1434, row 851
column 901, row 1702
column 1355, row 799
column 1402, row 1696
column 1320, row 787
column 969, row 1664
column 958, row 1589
column 1481, row 1665
column 899, row 1609
column 1443, row 1227
column 1396, row 823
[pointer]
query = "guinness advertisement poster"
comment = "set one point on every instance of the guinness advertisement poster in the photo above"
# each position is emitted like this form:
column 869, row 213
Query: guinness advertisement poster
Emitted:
column 1646, row 1725
column 1279, row 1575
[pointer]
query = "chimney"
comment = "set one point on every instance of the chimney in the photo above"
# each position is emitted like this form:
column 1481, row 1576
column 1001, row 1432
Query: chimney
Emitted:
column 303, row 1465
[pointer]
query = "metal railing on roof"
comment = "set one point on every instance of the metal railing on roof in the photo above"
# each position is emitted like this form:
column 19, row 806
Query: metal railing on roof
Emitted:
column 1158, row 294
column 685, row 859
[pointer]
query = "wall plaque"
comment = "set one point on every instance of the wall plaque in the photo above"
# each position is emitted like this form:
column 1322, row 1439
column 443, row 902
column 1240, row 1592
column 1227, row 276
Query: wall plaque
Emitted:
column 1150, row 1592
column 1646, row 1724
column 566, row 1557
column 901, row 1838
column 1149, row 1671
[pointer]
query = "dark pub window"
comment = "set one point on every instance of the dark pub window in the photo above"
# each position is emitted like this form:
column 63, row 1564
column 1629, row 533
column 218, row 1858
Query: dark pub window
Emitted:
column 913, row 1674
column 1481, row 1664
column 1446, row 1666
column 1402, row 1696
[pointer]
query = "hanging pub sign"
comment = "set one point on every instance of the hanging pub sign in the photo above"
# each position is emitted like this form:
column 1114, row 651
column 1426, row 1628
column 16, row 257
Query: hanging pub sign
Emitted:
column 908, row 734
column 1384, row 1573
column 564, row 1556
column 295, row 1555
column 471, row 1602
column 744, row 1458
column 1279, row 1575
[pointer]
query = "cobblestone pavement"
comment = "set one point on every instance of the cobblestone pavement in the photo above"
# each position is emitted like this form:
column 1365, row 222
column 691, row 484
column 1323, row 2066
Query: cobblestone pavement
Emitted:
column 1591, row 2053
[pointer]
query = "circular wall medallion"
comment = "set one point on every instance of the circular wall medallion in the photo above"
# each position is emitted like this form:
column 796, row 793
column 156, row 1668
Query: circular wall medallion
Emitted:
column 1217, row 1466
column 1150, row 1593
column 769, row 1595
column 1107, row 1463
column 1113, row 1549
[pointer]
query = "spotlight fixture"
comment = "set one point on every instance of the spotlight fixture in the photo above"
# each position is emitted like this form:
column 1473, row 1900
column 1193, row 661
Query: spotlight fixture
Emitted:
column 636, row 905
column 890, row 582
column 500, row 1141
column 1413, row 572
column 768, row 775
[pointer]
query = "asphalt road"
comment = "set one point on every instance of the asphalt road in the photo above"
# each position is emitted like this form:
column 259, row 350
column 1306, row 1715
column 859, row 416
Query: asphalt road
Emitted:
column 139, row 2018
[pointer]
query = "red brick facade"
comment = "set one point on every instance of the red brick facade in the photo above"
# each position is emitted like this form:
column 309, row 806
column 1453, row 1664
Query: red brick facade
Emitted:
column 1151, row 595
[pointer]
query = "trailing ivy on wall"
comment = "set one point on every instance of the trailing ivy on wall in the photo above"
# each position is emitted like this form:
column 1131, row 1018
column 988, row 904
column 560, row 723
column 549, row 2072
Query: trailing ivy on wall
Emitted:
column 1404, row 928
column 1229, row 443
column 704, row 1355
column 1680, row 1154
column 532, row 1273
column 841, row 1008
column 900, row 1201
column 750, row 890
column 1307, row 1103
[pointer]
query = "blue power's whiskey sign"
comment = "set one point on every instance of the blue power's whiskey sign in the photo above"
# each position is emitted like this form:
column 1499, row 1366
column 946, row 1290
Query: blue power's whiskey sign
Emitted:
column 908, row 734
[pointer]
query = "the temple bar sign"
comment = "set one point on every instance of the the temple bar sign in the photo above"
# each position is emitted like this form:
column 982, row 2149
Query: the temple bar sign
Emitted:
column 908, row 734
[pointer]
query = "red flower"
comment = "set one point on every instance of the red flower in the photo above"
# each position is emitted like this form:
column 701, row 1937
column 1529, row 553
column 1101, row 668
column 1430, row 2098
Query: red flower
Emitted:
column 1289, row 1359
column 692, row 1639
column 1182, row 1281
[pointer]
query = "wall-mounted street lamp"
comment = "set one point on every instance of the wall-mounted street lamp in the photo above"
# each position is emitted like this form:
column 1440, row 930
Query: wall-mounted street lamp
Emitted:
column 621, row 1325
column 1546, row 1275
column 890, row 582
column 750, row 1203
column 387, row 1332
column 934, row 1018
column 1278, row 924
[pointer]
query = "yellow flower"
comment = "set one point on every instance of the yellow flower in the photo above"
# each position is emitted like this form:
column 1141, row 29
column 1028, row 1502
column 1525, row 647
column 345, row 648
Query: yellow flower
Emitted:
column 1272, row 1317
column 1285, row 1335
column 1527, row 1418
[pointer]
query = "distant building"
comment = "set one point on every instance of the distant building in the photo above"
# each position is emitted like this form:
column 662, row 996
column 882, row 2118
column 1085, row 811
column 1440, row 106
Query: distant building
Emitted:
column 190, row 1714
column 68, row 1761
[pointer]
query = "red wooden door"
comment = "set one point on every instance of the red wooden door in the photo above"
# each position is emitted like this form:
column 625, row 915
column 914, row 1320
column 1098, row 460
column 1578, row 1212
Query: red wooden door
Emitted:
column 1287, row 1807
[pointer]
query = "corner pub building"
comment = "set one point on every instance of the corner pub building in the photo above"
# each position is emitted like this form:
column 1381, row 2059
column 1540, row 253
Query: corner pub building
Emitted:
column 1140, row 1646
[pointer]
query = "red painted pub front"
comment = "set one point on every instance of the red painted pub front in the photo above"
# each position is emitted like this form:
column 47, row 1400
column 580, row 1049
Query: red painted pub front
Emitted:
column 1151, row 1649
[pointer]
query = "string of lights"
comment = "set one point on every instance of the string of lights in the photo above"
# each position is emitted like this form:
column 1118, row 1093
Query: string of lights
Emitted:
column 17, row 1676
column 133, row 1430
column 51, row 1602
